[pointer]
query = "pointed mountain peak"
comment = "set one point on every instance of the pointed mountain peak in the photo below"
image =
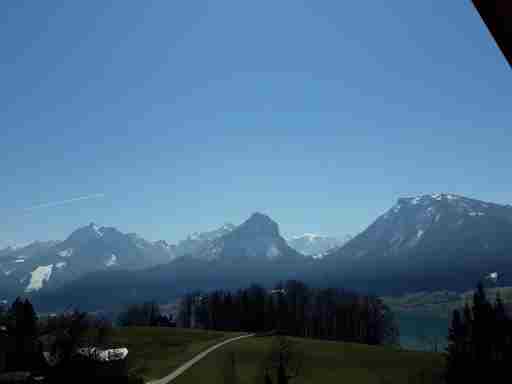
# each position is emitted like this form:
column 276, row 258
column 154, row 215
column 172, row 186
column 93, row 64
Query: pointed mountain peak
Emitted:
column 257, row 237
column 258, row 217
column 260, row 223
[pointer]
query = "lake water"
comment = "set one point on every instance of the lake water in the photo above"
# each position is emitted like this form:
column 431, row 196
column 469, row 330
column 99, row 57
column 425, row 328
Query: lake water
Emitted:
column 419, row 331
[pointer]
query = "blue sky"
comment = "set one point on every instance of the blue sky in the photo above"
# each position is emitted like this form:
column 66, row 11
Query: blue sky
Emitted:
column 180, row 116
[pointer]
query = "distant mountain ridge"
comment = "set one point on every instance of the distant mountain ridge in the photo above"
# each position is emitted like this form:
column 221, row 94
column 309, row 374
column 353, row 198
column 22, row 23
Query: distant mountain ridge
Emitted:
column 257, row 237
column 92, row 248
column 87, row 249
column 438, row 239
column 416, row 220
column 314, row 245
column 253, row 251
column 422, row 243
column 197, row 243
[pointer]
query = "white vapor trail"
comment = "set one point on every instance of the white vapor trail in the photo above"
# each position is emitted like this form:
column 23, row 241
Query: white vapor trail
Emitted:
column 63, row 202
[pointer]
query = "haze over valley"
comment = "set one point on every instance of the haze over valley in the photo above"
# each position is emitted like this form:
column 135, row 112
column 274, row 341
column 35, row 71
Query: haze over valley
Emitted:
column 424, row 243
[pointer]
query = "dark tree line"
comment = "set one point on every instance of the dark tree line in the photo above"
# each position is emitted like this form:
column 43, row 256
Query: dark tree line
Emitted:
column 480, row 341
column 147, row 314
column 18, row 346
column 293, row 309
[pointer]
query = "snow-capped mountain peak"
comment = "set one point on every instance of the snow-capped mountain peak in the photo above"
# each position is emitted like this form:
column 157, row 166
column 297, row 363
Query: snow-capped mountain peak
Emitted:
column 437, row 217
column 257, row 237
column 315, row 245
column 89, row 248
column 438, row 204
column 97, row 230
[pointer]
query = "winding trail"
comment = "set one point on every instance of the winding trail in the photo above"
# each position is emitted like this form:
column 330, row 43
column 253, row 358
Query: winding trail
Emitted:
column 182, row 368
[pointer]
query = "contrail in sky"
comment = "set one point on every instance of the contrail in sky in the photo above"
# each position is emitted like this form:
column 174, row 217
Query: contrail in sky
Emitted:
column 63, row 202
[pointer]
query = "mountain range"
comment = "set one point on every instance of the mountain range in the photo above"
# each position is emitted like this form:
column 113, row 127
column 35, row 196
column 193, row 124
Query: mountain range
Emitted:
column 428, row 242
column 90, row 248
column 442, row 240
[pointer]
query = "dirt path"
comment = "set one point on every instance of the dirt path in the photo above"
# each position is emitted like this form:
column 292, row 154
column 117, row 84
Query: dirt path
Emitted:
column 182, row 368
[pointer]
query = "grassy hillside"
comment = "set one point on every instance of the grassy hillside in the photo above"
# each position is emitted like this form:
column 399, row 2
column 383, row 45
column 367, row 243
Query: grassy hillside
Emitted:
column 155, row 352
column 325, row 362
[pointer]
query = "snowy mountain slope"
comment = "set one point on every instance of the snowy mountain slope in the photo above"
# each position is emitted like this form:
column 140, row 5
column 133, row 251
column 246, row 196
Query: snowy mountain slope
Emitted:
column 257, row 237
column 424, row 220
column 310, row 244
column 439, row 239
column 89, row 248
column 197, row 243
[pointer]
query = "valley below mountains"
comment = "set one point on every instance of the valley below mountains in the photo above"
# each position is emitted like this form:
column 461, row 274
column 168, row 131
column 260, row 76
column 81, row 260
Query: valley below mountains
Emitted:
column 425, row 243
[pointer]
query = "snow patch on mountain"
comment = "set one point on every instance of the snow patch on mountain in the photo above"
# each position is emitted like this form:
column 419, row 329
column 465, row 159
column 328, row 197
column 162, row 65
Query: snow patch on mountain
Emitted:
column 416, row 200
column 66, row 252
column 97, row 230
column 425, row 222
column 38, row 276
column 307, row 236
column 227, row 227
column 315, row 245
column 112, row 261
column 273, row 252
column 60, row 264
column 194, row 236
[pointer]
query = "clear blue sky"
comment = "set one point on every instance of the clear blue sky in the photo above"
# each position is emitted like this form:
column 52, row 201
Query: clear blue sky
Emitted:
column 186, row 115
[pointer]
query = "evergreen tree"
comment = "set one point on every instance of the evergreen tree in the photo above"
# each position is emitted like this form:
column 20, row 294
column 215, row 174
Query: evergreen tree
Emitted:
column 270, row 317
column 22, row 325
column 456, row 332
column 482, row 326
column 456, row 346
column 29, row 319
column 16, row 316
column 228, row 313
column 480, row 343
column 500, row 330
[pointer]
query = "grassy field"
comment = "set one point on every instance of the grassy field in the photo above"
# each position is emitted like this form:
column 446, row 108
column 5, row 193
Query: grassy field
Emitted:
column 325, row 362
column 155, row 352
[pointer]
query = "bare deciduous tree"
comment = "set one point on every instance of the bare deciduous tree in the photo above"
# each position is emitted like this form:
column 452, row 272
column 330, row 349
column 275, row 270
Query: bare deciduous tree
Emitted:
column 284, row 362
column 229, row 372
